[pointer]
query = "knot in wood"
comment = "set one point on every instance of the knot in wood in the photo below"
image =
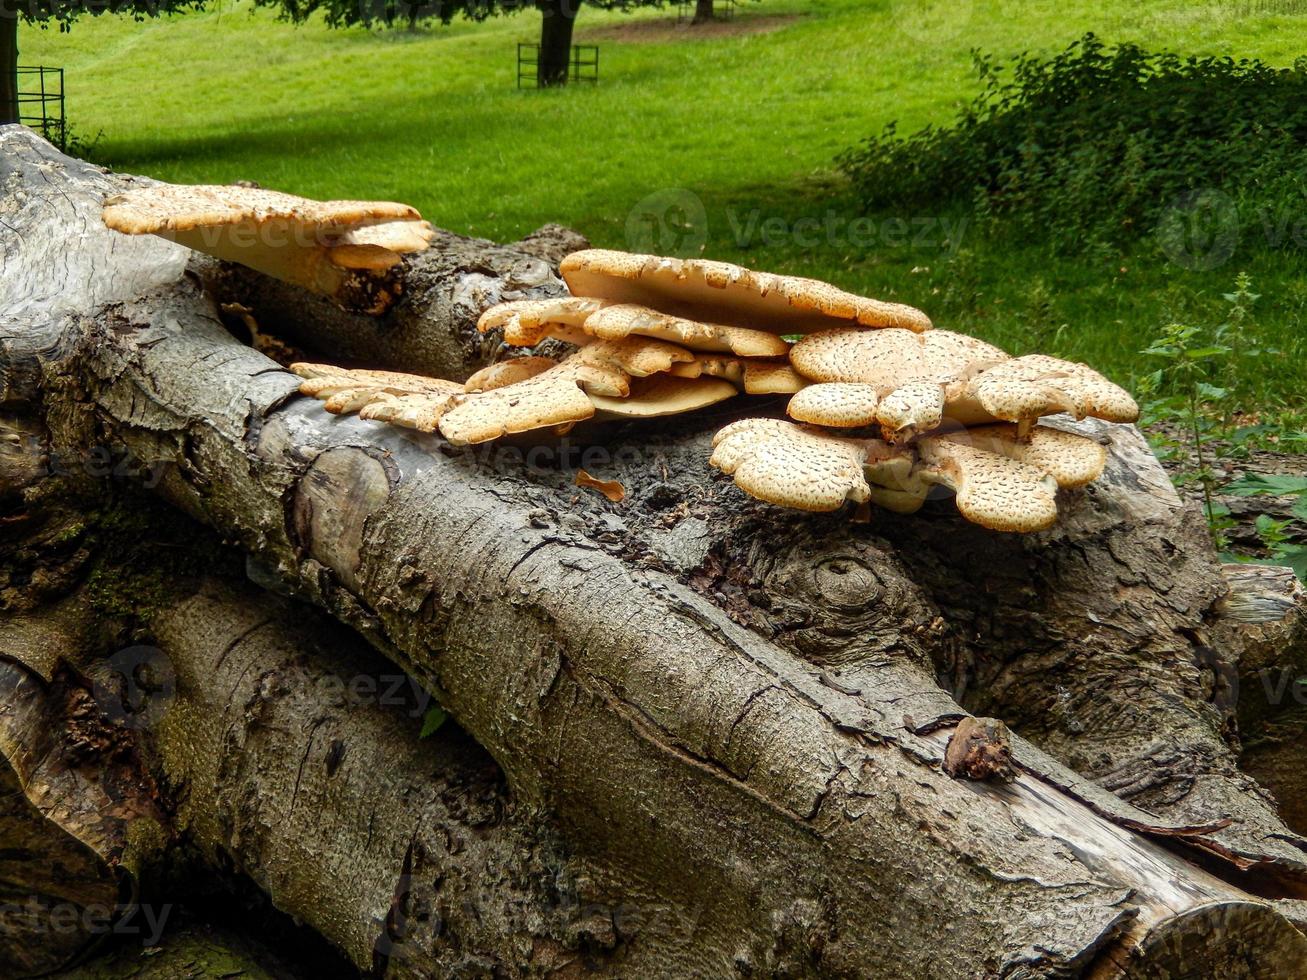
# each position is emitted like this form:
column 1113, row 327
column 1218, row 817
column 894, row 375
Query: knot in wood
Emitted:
column 846, row 582
column 980, row 749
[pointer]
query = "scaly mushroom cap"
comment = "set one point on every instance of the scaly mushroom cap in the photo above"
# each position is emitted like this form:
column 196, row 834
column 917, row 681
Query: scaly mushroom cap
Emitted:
column 924, row 378
column 552, row 398
column 771, row 378
column 625, row 319
column 421, row 412
column 403, row 399
column 889, row 358
column 730, row 369
column 400, row 237
column 721, row 293
column 663, row 394
column 793, row 466
column 637, row 356
column 184, row 207
column 1000, row 481
column 1071, row 459
column 917, row 406
column 545, row 393
column 341, row 249
column 507, row 373
column 1037, row 385
column 993, row 490
column 526, row 322
column 562, row 395
column 841, row 405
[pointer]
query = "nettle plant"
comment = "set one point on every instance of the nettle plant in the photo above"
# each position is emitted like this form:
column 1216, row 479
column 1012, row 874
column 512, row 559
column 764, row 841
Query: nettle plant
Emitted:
column 1196, row 406
column 1277, row 535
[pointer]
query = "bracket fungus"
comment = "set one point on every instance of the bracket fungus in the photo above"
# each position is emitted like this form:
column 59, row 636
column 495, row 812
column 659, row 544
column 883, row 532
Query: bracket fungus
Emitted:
column 408, row 400
column 752, row 375
column 526, row 322
column 992, row 490
column 544, row 394
column 1000, row 481
column 505, row 373
column 661, row 395
column 722, row 293
column 658, row 337
column 349, row 251
column 794, row 466
column 626, row 319
column 911, row 383
column 579, row 319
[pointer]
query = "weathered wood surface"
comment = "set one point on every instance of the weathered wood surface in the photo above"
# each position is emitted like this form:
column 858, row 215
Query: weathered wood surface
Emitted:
column 737, row 716
column 431, row 329
column 1268, row 605
column 255, row 737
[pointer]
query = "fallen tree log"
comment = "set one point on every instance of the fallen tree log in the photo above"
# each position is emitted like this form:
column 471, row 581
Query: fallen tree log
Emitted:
column 1268, row 605
column 738, row 719
column 432, row 327
column 255, row 738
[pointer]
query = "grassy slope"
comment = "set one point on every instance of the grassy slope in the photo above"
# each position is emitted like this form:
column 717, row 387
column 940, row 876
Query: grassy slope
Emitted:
column 747, row 124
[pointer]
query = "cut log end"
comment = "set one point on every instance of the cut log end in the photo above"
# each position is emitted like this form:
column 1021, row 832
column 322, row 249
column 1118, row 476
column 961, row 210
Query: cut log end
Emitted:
column 1231, row 940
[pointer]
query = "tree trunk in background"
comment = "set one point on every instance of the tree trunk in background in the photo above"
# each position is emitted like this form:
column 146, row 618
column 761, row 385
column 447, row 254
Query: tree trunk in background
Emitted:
column 703, row 11
column 8, row 64
column 733, row 718
column 559, row 18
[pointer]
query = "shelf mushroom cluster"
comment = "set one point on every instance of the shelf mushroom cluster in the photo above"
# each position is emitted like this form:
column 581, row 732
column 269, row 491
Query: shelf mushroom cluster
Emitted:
column 348, row 251
column 885, row 407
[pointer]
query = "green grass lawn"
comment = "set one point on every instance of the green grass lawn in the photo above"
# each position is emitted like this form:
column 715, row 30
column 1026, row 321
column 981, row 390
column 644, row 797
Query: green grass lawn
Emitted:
column 733, row 136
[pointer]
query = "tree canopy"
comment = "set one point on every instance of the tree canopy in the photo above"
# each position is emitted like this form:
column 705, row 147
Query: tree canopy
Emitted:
column 558, row 19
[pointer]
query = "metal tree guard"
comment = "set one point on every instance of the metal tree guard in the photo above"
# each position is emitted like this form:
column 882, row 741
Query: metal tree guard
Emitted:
column 583, row 66
column 41, row 103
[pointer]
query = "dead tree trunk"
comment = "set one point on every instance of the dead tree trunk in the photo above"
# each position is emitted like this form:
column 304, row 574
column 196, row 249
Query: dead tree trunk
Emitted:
column 735, row 719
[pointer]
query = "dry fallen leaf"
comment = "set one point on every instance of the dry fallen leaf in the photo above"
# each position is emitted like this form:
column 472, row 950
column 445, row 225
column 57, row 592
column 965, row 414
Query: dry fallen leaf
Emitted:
column 611, row 489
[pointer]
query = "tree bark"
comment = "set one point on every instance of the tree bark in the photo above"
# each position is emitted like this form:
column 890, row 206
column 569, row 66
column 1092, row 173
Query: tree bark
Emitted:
column 737, row 718
column 53, row 887
column 704, row 12
column 431, row 329
column 1269, row 607
column 245, row 734
column 8, row 64
column 558, row 21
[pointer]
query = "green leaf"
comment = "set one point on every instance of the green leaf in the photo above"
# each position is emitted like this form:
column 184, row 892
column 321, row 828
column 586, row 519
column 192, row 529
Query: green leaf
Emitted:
column 1203, row 353
column 1271, row 531
column 432, row 720
column 1300, row 509
column 1253, row 484
column 1294, row 556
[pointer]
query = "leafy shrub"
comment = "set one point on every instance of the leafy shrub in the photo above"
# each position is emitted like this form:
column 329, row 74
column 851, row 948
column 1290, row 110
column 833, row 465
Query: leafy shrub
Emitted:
column 1091, row 148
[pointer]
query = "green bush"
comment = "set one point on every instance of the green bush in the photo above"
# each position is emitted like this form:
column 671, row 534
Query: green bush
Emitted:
column 1098, row 146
